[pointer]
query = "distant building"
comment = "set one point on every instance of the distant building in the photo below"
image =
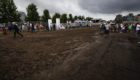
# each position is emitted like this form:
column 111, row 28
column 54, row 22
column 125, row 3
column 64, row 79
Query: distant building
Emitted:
column 137, row 18
column 118, row 19
column 22, row 17
column 124, row 18
column 130, row 17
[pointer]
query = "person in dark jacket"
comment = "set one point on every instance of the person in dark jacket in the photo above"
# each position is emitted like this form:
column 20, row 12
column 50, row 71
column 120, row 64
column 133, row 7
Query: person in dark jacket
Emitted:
column 47, row 27
column 16, row 30
column 33, row 29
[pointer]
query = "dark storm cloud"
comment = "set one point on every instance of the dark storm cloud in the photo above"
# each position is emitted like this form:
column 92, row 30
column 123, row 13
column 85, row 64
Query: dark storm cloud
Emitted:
column 110, row 6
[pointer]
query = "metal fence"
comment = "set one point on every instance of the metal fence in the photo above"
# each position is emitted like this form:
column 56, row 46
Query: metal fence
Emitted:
column 64, row 25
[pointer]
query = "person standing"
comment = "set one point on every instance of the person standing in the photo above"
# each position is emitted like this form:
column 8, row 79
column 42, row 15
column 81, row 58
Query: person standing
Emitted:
column 66, row 26
column 114, row 28
column 16, row 30
column 20, row 28
column 47, row 27
column 37, row 26
column 54, row 28
column 23, row 28
column 107, row 29
column 126, row 27
column 137, row 29
column 117, row 27
column 28, row 26
column 32, row 28
column 121, row 26
column 9, row 27
column 41, row 26
column 101, row 27
column 129, row 27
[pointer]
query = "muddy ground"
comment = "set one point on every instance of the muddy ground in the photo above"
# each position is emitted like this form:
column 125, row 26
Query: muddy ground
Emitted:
column 79, row 54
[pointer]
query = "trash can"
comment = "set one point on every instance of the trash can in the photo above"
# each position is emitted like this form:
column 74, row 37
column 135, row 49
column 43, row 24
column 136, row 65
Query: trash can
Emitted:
column 4, row 30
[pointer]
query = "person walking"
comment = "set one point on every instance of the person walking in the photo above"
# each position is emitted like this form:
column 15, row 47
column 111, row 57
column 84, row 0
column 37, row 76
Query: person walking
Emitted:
column 16, row 30
column 107, row 29
column 137, row 29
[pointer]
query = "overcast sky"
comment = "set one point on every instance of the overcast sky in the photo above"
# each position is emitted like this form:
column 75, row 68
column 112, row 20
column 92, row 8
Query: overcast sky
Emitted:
column 105, row 9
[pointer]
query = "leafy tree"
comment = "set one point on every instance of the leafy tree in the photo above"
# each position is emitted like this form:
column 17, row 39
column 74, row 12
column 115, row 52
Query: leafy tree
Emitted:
column 71, row 17
column 46, row 15
column 80, row 17
column 63, row 18
column 32, row 14
column 56, row 15
column 8, row 11
column 83, row 17
column 75, row 17
column 89, row 18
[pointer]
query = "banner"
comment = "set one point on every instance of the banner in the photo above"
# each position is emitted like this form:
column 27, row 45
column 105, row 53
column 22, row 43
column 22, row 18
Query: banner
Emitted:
column 57, row 23
column 49, row 23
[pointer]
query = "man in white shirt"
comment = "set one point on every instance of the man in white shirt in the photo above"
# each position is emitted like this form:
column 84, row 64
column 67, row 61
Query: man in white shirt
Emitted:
column 107, row 29
column 137, row 29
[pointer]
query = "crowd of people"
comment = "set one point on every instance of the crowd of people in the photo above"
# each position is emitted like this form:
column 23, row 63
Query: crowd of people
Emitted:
column 31, row 27
column 107, row 27
column 122, row 28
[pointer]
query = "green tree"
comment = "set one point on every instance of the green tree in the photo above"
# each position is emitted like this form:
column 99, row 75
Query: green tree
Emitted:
column 8, row 11
column 80, row 17
column 63, row 18
column 46, row 15
column 75, row 17
column 89, row 18
column 83, row 17
column 71, row 17
column 32, row 14
column 56, row 15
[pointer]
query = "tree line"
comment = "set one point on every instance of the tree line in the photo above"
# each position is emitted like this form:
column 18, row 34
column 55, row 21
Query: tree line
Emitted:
column 9, row 12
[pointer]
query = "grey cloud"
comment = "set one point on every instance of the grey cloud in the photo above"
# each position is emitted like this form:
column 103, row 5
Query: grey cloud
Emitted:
column 109, row 6
column 52, row 5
